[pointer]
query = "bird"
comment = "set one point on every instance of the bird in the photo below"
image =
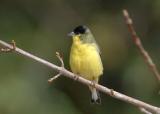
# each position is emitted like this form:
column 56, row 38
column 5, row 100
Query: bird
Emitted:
column 85, row 58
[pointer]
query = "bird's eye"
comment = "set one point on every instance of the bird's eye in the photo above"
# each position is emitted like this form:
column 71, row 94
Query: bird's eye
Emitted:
column 80, row 30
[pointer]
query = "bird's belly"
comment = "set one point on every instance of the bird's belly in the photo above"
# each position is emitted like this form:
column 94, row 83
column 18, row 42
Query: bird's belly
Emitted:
column 87, row 63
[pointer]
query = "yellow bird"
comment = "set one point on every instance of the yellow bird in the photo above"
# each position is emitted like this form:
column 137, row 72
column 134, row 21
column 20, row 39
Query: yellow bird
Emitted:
column 85, row 58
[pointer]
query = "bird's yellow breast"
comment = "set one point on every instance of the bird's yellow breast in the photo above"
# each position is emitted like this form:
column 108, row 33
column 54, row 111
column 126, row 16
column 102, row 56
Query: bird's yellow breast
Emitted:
column 85, row 60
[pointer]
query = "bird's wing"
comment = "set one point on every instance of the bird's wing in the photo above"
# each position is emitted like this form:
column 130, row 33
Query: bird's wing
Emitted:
column 97, row 47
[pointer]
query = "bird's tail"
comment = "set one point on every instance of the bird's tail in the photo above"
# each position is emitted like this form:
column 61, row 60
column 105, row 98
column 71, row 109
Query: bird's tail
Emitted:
column 95, row 97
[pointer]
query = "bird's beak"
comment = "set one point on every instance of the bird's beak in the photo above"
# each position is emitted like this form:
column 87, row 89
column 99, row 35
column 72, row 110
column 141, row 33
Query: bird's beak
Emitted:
column 71, row 34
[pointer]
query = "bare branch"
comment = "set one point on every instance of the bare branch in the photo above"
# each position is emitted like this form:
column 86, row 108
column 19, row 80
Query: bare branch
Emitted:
column 54, row 78
column 60, row 58
column 101, row 88
column 62, row 65
column 139, row 45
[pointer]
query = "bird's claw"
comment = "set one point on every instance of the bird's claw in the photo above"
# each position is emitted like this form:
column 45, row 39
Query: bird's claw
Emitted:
column 76, row 77
column 93, row 84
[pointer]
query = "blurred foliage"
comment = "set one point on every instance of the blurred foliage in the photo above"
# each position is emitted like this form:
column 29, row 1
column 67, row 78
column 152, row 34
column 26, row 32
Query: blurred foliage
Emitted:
column 41, row 27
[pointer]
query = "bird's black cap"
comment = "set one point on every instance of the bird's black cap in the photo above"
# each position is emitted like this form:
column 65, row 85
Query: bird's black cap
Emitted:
column 81, row 29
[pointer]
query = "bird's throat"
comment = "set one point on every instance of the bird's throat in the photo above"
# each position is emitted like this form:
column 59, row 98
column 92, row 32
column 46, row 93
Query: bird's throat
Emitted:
column 76, row 40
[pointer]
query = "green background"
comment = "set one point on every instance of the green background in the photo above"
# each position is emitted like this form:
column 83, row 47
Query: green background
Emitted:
column 41, row 27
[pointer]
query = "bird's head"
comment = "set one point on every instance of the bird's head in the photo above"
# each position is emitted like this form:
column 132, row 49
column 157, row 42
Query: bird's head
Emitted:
column 82, row 33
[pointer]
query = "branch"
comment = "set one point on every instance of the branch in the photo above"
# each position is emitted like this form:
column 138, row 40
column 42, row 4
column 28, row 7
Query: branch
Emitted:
column 139, row 45
column 62, row 65
column 144, row 111
column 69, row 74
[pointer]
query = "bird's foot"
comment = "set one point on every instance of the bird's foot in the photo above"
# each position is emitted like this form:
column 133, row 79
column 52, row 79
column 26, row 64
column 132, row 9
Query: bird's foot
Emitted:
column 76, row 77
column 93, row 84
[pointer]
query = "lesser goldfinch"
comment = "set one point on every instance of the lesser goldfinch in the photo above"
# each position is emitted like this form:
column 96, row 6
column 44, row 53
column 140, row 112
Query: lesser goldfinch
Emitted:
column 85, row 58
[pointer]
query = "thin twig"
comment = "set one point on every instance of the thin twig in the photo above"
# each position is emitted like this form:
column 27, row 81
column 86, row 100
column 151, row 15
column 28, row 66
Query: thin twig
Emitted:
column 62, row 65
column 101, row 88
column 54, row 78
column 60, row 58
column 139, row 45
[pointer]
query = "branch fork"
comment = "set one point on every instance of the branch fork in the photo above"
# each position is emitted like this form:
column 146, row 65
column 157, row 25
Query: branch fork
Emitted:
column 62, row 66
